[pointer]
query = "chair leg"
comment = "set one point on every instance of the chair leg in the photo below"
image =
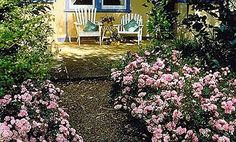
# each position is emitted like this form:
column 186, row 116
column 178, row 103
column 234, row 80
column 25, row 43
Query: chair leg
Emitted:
column 138, row 39
column 69, row 38
column 78, row 40
column 103, row 35
column 100, row 40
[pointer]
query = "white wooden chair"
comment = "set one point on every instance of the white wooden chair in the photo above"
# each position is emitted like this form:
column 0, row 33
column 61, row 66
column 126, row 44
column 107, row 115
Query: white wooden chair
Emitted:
column 82, row 17
column 126, row 19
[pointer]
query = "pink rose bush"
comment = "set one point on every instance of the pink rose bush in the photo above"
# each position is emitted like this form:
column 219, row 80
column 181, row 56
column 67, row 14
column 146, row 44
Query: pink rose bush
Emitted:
column 177, row 102
column 32, row 114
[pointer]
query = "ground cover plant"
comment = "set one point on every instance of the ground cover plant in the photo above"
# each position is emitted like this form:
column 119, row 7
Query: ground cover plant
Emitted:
column 176, row 101
column 24, row 31
column 31, row 113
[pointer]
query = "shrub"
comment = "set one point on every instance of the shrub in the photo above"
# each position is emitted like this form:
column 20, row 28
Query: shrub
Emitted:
column 177, row 102
column 162, row 18
column 32, row 114
column 217, row 42
column 24, row 31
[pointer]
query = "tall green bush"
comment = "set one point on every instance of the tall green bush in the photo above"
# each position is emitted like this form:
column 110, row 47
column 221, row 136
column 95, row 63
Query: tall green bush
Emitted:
column 24, row 32
column 162, row 19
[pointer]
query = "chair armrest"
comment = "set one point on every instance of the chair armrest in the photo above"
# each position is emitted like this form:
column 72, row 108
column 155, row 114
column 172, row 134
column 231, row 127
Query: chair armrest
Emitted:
column 77, row 24
column 77, row 27
column 117, row 25
column 98, row 23
column 141, row 26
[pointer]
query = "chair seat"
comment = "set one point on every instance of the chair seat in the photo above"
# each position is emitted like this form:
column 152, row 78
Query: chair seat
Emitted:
column 89, row 34
column 127, row 32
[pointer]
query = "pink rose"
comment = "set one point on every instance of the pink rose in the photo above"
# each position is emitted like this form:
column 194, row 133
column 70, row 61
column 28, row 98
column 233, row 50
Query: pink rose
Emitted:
column 23, row 126
column 234, row 82
column 223, row 139
column 157, row 83
column 137, row 110
column 159, row 63
column 149, row 81
column 167, row 77
column 142, row 94
column 166, row 138
column 23, row 113
column 5, row 132
column 176, row 115
column 63, row 130
column 141, row 83
column 157, row 133
column 6, row 100
column 148, row 109
column 228, row 107
column 127, row 80
column 194, row 138
column 170, row 126
column 231, row 129
column 146, row 53
column 197, row 86
column 180, row 130
column 60, row 138
column 126, row 90
column 52, row 105
column 26, row 97
column 176, row 75
column 215, row 137
column 63, row 113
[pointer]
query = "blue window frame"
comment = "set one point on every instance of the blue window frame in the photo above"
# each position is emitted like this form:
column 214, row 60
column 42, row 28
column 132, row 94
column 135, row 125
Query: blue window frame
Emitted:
column 113, row 6
column 101, row 5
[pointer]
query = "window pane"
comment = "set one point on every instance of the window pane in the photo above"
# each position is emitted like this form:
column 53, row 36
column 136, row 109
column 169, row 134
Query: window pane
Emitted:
column 82, row 2
column 113, row 2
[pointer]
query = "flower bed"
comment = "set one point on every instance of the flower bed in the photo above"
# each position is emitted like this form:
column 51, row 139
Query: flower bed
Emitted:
column 177, row 102
column 32, row 114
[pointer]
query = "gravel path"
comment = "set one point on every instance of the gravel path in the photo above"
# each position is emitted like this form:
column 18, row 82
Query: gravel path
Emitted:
column 87, row 99
column 92, row 115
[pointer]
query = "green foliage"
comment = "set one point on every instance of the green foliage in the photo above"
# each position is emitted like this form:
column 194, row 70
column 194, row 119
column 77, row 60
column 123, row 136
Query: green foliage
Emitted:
column 213, row 46
column 217, row 43
column 24, row 32
column 162, row 18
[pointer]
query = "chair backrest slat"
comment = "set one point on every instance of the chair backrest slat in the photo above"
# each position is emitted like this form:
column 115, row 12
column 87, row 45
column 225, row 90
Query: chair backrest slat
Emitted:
column 91, row 13
column 84, row 14
column 128, row 18
column 94, row 18
column 88, row 14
